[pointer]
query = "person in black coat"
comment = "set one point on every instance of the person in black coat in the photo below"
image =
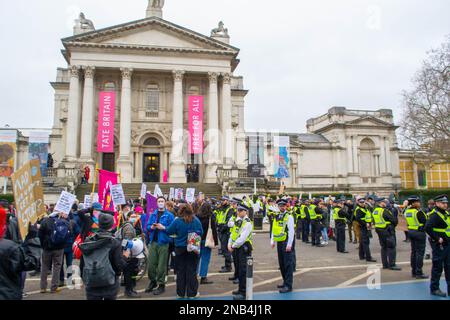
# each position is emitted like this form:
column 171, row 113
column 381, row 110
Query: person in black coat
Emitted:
column 204, row 213
column 14, row 259
column 117, row 258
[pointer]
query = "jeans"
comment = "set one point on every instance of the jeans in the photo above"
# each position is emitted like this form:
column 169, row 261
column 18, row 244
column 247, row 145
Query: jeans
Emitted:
column 205, row 258
column 325, row 234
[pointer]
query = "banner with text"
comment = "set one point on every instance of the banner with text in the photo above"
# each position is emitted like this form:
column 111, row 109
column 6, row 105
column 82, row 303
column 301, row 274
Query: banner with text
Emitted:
column 106, row 113
column 196, row 124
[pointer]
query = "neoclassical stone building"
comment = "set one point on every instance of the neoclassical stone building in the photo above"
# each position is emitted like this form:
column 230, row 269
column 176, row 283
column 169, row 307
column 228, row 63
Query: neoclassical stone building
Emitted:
column 153, row 66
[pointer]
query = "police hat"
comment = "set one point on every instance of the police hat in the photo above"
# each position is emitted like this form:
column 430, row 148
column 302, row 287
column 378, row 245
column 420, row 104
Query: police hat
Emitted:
column 361, row 200
column 225, row 198
column 413, row 199
column 442, row 198
column 236, row 200
column 370, row 198
column 243, row 207
column 281, row 202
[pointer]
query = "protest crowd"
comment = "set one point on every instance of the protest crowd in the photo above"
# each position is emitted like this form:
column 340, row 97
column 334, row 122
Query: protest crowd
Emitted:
column 113, row 248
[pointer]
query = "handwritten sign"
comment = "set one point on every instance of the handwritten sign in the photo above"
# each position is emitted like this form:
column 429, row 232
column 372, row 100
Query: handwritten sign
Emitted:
column 158, row 192
column 87, row 201
column 65, row 202
column 27, row 206
column 143, row 191
column 190, row 195
column 118, row 197
column 172, row 194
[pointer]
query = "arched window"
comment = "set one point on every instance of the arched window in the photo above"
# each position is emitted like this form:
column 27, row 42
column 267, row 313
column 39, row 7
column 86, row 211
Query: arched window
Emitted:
column 367, row 159
column 152, row 100
column 110, row 86
column 152, row 142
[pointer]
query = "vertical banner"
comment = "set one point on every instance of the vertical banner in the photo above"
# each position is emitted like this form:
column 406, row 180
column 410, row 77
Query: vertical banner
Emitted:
column 8, row 148
column 196, row 124
column 106, row 179
column 38, row 149
column 281, row 153
column 106, row 112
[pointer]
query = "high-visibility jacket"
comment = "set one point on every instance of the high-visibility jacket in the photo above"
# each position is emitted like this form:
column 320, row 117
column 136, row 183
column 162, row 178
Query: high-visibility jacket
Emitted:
column 223, row 216
column 336, row 216
column 234, row 230
column 367, row 215
column 380, row 222
column 446, row 219
column 312, row 212
column 302, row 211
column 238, row 229
column 279, row 228
column 412, row 220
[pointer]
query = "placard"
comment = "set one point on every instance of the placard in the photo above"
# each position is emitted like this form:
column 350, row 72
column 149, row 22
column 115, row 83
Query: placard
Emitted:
column 65, row 202
column 118, row 197
column 143, row 191
column 87, row 201
column 172, row 194
column 158, row 192
column 190, row 195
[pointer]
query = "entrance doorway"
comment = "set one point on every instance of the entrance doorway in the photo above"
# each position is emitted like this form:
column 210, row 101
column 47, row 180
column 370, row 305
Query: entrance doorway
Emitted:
column 109, row 163
column 152, row 167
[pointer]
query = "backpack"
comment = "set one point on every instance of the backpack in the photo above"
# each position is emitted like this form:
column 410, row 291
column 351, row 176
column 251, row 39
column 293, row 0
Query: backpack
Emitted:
column 98, row 271
column 60, row 233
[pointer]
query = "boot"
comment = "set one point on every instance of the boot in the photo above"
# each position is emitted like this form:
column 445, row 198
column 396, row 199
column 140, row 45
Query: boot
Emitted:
column 151, row 286
column 439, row 293
column 160, row 290
column 205, row 281
column 132, row 294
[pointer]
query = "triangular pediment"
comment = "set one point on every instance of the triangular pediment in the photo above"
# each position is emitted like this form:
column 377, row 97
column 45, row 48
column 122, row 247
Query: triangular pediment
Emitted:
column 369, row 121
column 150, row 33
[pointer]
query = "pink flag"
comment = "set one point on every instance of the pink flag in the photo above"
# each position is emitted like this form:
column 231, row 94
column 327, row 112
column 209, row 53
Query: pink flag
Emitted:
column 106, row 179
column 196, row 124
column 106, row 112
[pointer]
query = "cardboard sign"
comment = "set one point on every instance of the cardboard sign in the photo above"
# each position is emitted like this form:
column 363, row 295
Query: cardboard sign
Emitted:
column 117, row 195
column 28, row 207
column 190, row 195
column 143, row 191
column 65, row 202
column 38, row 189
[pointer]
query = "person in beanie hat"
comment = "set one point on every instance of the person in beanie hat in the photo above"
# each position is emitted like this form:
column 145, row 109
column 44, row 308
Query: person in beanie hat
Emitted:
column 14, row 259
column 94, row 246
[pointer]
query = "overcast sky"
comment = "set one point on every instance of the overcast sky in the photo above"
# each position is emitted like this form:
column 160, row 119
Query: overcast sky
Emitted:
column 298, row 57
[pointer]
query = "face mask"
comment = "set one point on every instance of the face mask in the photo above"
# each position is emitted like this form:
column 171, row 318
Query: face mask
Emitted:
column 161, row 206
column 133, row 220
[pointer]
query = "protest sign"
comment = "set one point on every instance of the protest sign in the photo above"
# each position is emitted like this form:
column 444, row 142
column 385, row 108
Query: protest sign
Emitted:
column 118, row 197
column 190, row 195
column 143, row 191
column 172, row 194
column 95, row 198
column 87, row 201
column 65, row 202
column 158, row 192
column 38, row 189
column 27, row 206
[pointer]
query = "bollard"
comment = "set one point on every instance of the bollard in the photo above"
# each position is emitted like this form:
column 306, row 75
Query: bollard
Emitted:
column 249, row 294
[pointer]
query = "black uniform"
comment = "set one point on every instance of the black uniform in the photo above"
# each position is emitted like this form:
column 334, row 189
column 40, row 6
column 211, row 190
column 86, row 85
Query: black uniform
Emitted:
column 305, row 226
column 340, row 226
column 441, row 252
column 418, row 240
column 316, row 227
column 364, row 245
column 388, row 240
column 224, row 235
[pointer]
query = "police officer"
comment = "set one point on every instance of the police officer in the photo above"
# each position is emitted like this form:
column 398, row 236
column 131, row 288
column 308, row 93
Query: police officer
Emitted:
column 385, row 223
column 304, row 215
column 232, row 225
column 314, row 215
column 364, row 220
column 438, row 228
column 241, row 246
column 272, row 211
column 298, row 219
column 226, row 213
column 340, row 217
column 416, row 220
column 283, row 235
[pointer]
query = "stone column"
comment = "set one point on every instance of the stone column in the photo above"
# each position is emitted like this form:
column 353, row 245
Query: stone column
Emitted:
column 177, row 165
column 72, row 130
column 227, row 130
column 213, row 136
column 387, row 148
column 382, row 156
column 124, row 163
column 87, row 123
column 349, row 154
column 355, row 154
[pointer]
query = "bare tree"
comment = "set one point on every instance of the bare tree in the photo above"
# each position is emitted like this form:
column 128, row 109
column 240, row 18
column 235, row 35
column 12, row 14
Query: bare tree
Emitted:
column 426, row 118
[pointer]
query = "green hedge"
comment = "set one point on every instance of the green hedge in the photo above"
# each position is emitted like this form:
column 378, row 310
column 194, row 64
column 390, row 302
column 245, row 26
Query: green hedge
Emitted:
column 7, row 197
column 424, row 195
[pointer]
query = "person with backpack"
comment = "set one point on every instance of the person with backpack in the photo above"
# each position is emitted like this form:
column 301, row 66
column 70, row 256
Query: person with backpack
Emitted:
column 186, row 227
column 68, row 253
column 54, row 233
column 103, row 261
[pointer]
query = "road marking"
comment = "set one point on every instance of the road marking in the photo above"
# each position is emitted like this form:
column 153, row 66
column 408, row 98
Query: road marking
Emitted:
column 355, row 279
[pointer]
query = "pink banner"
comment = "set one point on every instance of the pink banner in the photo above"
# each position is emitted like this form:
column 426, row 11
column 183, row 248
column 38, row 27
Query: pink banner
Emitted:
column 196, row 124
column 106, row 179
column 105, row 139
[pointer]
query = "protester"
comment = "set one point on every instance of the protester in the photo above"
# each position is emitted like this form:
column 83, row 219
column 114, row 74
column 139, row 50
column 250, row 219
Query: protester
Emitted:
column 68, row 253
column 204, row 213
column 170, row 206
column 159, row 247
column 54, row 233
column 14, row 260
column 187, row 262
column 103, row 285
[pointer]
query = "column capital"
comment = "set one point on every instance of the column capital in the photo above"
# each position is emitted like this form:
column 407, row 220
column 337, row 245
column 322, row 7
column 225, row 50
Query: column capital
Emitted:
column 226, row 78
column 212, row 76
column 126, row 73
column 178, row 75
column 89, row 72
column 74, row 71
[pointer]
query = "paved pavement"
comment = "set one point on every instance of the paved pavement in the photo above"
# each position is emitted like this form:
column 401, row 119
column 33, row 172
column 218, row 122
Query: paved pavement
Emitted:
column 322, row 273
